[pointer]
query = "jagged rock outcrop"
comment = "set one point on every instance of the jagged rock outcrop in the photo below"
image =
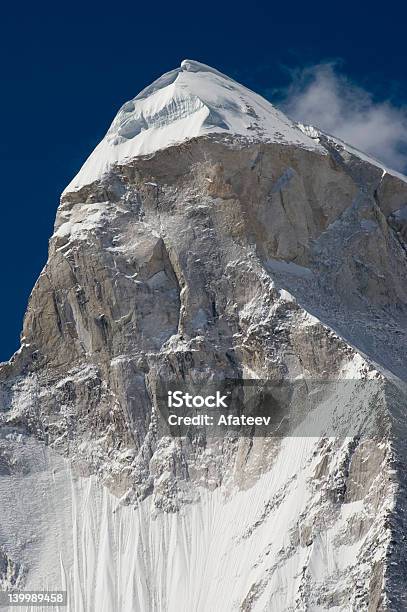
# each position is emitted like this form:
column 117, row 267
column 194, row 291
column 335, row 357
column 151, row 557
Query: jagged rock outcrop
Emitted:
column 207, row 240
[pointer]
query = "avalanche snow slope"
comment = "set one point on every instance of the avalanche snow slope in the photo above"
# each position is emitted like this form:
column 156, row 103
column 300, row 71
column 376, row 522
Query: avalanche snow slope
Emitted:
column 209, row 237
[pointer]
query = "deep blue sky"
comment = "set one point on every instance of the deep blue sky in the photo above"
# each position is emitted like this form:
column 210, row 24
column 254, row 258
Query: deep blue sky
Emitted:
column 67, row 68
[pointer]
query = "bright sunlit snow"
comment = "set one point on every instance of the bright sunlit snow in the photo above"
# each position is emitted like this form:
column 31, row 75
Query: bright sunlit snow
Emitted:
column 190, row 101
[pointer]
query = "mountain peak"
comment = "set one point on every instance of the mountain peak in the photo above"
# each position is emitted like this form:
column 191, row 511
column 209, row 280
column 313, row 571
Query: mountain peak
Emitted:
column 188, row 65
column 189, row 101
column 194, row 66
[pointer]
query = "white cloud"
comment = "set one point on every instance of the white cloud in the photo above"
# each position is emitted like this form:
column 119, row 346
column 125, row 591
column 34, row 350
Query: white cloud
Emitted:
column 323, row 97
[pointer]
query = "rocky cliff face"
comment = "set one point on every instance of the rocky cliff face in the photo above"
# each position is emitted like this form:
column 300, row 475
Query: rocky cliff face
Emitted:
column 208, row 237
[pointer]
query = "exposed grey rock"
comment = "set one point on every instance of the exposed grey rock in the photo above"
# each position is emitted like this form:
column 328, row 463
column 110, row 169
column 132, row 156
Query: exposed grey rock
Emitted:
column 11, row 573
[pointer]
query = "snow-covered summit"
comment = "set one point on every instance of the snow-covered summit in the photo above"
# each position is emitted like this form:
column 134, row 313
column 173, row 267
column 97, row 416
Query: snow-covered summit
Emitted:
column 190, row 101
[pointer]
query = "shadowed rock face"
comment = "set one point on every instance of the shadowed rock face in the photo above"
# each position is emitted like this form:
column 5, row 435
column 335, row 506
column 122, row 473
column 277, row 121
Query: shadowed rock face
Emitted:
column 222, row 258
